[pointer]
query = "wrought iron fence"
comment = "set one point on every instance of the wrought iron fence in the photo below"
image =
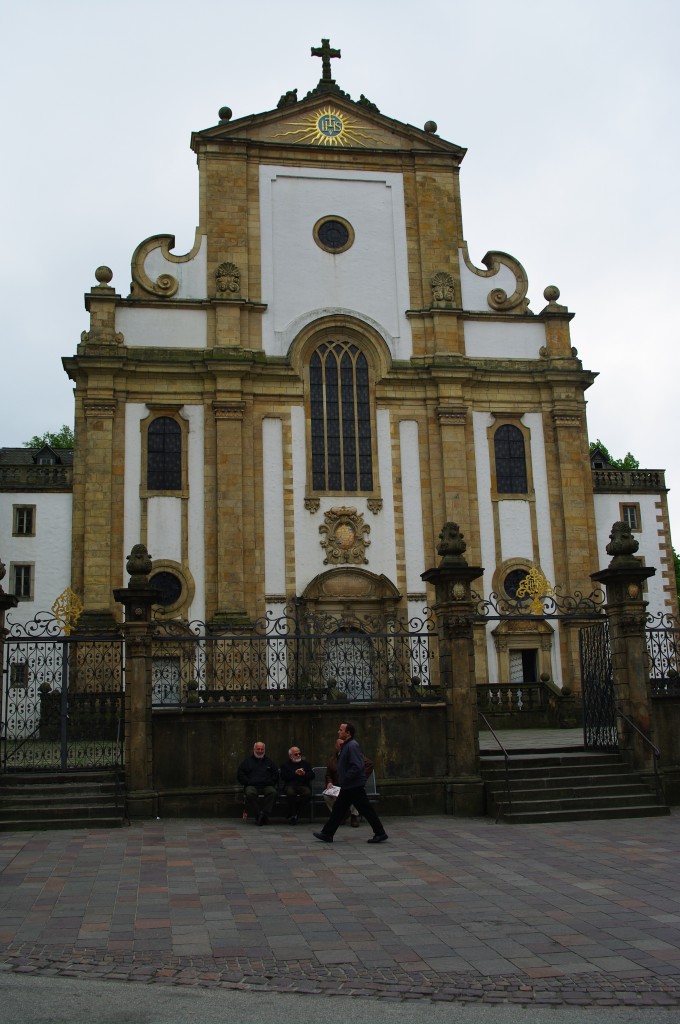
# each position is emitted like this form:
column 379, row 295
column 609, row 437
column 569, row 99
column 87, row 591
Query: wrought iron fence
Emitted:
column 62, row 698
column 663, row 653
column 296, row 658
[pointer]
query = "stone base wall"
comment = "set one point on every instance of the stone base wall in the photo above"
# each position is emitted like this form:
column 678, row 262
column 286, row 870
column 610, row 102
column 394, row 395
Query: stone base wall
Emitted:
column 197, row 753
column 666, row 723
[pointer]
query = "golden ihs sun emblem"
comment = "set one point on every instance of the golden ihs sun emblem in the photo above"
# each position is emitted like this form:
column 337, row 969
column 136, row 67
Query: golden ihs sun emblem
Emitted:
column 329, row 127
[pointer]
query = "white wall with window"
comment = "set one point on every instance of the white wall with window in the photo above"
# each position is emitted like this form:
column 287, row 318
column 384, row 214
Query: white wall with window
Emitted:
column 35, row 545
column 643, row 509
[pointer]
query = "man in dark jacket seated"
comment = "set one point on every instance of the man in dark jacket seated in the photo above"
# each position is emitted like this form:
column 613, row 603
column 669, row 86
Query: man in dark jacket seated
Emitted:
column 258, row 774
column 296, row 775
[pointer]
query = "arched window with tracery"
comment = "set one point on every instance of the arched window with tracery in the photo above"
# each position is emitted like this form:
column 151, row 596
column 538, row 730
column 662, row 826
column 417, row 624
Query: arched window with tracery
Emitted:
column 164, row 455
column 510, row 459
column 342, row 456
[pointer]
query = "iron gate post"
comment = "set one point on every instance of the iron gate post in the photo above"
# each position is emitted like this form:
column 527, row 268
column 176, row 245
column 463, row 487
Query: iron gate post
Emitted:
column 455, row 611
column 137, row 629
column 624, row 578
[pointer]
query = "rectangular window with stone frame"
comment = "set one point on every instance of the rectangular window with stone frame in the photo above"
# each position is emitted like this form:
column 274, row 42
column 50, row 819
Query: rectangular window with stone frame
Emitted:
column 23, row 520
column 630, row 515
column 22, row 577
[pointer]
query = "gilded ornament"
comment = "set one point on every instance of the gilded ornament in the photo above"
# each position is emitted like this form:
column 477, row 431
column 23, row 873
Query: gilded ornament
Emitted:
column 536, row 586
column 345, row 537
column 67, row 609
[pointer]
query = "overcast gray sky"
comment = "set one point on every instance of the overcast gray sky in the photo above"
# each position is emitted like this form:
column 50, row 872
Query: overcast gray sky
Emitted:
column 568, row 108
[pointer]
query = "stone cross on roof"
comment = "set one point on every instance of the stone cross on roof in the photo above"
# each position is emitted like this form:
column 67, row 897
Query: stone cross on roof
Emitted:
column 325, row 51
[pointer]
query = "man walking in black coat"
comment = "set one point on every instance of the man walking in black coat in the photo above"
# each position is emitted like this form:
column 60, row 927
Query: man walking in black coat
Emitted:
column 352, row 779
column 258, row 774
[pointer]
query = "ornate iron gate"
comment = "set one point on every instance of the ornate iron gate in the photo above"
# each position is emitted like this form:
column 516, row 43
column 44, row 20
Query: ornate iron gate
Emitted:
column 62, row 699
column 599, row 706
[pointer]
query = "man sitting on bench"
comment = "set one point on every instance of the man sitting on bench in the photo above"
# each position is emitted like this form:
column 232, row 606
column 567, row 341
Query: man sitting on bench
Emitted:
column 258, row 774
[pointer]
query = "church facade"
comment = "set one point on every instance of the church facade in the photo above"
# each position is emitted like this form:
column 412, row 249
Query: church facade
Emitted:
column 292, row 410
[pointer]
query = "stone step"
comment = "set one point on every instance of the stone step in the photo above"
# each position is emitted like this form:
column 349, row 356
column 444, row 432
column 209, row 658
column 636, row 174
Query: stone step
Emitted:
column 556, row 786
column 569, row 785
column 527, row 817
column 43, row 824
column 47, row 800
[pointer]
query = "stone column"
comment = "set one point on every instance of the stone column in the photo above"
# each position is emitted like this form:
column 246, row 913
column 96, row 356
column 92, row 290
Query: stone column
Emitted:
column 137, row 600
column 455, row 611
column 624, row 578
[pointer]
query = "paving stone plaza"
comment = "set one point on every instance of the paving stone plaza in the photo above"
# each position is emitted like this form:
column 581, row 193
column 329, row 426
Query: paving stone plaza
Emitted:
column 459, row 910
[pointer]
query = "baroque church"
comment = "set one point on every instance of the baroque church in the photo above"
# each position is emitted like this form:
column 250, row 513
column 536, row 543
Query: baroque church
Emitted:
column 291, row 411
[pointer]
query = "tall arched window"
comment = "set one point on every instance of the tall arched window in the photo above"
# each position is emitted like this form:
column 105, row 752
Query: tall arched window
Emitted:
column 510, row 457
column 164, row 455
column 342, row 457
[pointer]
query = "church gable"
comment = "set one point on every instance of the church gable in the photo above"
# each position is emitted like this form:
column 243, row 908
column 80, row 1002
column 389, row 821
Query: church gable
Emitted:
column 326, row 118
column 331, row 123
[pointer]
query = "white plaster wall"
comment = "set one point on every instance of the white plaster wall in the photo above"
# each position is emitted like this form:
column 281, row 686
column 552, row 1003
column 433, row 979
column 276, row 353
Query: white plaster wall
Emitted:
column 369, row 280
column 474, row 289
column 164, row 514
column 191, row 274
column 164, row 528
column 49, row 550
column 517, row 545
column 309, row 555
column 514, row 519
column 503, row 340
column 163, row 328
column 274, row 533
column 195, row 414
column 607, row 512
column 412, row 504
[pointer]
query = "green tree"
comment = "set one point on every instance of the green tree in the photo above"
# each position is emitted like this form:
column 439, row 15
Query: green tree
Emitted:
column 629, row 462
column 55, row 439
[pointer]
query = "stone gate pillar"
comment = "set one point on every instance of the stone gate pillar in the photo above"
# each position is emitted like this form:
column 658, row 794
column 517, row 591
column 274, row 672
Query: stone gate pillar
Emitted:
column 455, row 611
column 137, row 600
column 624, row 578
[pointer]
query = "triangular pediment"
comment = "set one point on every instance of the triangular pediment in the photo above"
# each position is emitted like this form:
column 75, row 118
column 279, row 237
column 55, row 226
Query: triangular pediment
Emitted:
column 327, row 120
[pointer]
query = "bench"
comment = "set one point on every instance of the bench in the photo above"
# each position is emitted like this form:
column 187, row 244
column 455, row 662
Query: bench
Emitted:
column 317, row 801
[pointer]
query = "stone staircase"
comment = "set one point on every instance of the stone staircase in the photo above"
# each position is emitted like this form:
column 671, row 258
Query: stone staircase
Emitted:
column 32, row 801
column 566, row 785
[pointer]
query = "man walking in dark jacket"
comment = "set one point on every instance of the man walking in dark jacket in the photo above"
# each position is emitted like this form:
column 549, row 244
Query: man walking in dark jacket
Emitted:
column 352, row 779
column 258, row 774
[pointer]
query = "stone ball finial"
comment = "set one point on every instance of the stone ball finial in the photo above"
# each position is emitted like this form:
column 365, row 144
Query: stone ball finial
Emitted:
column 139, row 565
column 551, row 293
column 622, row 543
column 451, row 545
column 430, row 127
column 103, row 275
column 225, row 114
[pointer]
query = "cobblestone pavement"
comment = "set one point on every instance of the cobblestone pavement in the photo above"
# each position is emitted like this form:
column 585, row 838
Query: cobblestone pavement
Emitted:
column 584, row 913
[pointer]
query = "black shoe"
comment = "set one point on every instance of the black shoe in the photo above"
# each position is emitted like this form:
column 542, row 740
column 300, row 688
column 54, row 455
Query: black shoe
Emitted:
column 293, row 820
column 325, row 838
column 259, row 819
column 379, row 837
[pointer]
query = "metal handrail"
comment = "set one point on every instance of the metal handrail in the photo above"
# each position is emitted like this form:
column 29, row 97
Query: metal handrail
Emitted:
column 655, row 750
column 506, row 756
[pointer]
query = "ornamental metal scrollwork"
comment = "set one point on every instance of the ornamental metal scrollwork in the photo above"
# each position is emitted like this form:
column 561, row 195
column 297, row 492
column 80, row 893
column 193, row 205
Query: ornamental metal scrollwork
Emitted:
column 345, row 537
